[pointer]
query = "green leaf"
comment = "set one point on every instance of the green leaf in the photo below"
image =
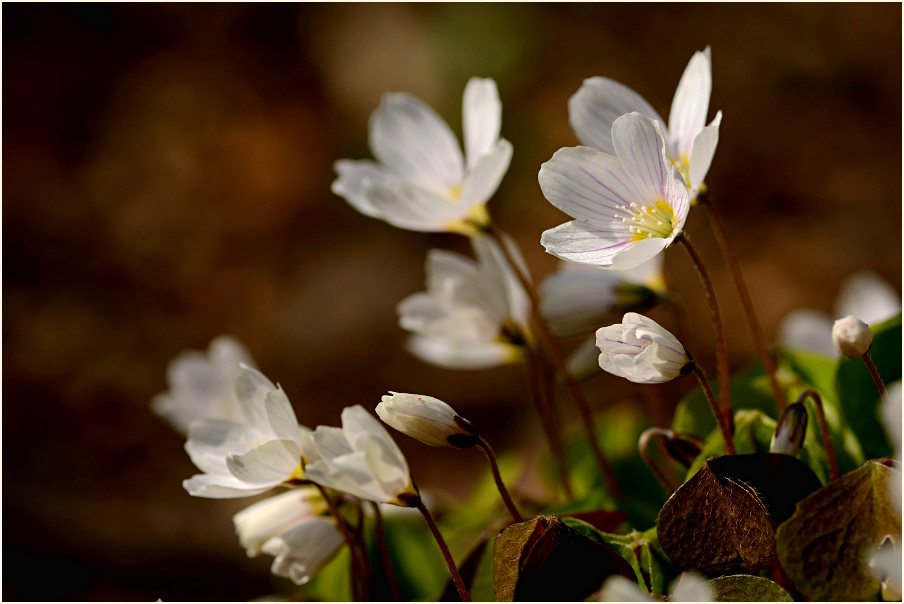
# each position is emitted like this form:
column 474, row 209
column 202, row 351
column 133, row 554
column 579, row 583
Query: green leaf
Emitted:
column 545, row 559
column 332, row 583
column 748, row 588
column 824, row 545
column 858, row 394
column 753, row 433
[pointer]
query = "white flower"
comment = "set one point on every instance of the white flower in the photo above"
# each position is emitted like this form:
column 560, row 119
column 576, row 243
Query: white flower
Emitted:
column 252, row 455
column 275, row 515
column 361, row 459
column 851, row 337
column 580, row 297
column 864, row 294
column 202, row 385
column 426, row 419
column 472, row 314
column 628, row 207
column 641, row 351
column 690, row 143
column 689, row 587
column 420, row 180
column 302, row 551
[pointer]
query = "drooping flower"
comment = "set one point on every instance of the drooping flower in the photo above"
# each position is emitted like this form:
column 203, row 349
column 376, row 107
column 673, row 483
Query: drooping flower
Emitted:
column 293, row 526
column 473, row 314
column 361, row 459
column 421, row 181
column 628, row 207
column 426, row 419
column 579, row 298
column 202, row 385
column 691, row 144
column 790, row 430
column 640, row 350
column 864, row 294
column 253, row 454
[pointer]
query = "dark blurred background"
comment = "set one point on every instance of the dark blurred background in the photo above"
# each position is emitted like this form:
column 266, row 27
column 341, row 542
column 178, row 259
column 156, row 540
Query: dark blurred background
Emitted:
column 166, row 179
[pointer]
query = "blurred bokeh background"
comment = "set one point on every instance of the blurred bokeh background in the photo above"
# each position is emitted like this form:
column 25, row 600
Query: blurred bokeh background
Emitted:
column 166, row 179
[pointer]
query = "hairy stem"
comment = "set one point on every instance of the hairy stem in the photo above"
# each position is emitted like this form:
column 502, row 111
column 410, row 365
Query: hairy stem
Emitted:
column 722, row 369
column 643, row 445
column 453, row 570
column 720, row 418
column 494, row 468
column 735, row 269
column 874, row 373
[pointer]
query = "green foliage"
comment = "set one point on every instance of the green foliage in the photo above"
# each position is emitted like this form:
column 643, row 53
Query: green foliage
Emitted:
column 748, row 588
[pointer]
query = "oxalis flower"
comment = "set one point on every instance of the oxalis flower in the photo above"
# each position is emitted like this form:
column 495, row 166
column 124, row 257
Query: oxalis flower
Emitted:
column 640, row 350
column 473, row 314
column 250, row 456
column 594, row 108
column 361, row 459
column 202, row 385
column 420, row 180
column 427, row 419
column 628, row 207
column 295, row 527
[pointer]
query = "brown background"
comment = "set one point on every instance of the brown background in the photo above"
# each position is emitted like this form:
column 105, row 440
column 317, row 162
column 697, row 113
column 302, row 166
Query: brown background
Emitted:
column 166, row 179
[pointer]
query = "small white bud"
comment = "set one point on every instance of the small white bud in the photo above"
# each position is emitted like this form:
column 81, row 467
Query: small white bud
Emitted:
column 851, row 337
column 641, row 351
column 790, row 431
column 427, row 419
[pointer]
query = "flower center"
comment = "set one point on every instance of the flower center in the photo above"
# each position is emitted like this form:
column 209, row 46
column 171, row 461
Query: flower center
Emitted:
column 646, row 221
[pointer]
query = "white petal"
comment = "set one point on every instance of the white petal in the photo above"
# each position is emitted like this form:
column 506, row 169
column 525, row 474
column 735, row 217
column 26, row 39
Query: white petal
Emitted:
column 809, row 330
column 492, row 257
column 349, row 474
column 576, row 301
column 411, row 139
column 446, row 270
column 595, row 106
column 617, row 588
column 251, row 389
column 690, row 104
column 868, row 296
column 350, row 184
column 484, row 177
column 387, row 466
column 303, row 551
column 691, row 587
column 281, row 416
column 587, row 184
column 457, row 355
column 481, row 117
column 219, row 487
column 211, row 441
column 640, row 147
column 269, row 464
column 360, row 427
column 330, row 442
column 275, row 515
column 703, row 150
column 408, row 205
column 890, row 416
column 584, row 242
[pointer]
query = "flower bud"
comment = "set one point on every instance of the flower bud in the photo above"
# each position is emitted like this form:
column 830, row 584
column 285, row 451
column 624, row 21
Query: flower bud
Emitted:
column 427, row 419
column 851, row 337
column 640, row 350
column 790, row 430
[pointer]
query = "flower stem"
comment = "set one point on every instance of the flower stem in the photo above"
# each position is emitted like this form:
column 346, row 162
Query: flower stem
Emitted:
column 643, row 445
column 720, row 419
column 494, row 468
column 552, row 347
column 823, row 431
column 722, row 369
column 359, row 567
column 735, row 269
column 385, row 558
column 875, row 373
column 548, row 419
column 453, row 570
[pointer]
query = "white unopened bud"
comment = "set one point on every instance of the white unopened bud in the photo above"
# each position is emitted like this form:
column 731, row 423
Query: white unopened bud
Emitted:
column 427, row 419
column 641, row 351
column 851, row 337
column 790, row 430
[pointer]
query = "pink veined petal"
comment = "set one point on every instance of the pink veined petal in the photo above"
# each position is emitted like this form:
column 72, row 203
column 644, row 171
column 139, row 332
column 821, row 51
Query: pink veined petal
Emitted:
column 589, row 243
column 269, row 464
column 350, row 183
column 481, row 118
column 587, row 184
column 410, row 206
column 640, row 147
column 484, row 177
column 597, row 104
column 639, row 252
column 410, row 138
column 690, row 104
column 703, row 150
column 220, row 487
